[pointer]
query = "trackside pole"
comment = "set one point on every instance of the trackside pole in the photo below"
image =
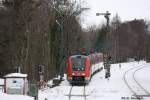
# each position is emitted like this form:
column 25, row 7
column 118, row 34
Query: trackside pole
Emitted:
column 106, row 58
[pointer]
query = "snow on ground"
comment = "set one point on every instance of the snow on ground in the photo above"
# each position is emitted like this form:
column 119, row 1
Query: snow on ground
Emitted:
column 4, row 96
column 100, row 88
column 114, row 88
column 143, row 77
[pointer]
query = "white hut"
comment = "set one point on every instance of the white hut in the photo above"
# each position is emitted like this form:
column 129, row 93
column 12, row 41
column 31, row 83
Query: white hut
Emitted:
column 16, row 83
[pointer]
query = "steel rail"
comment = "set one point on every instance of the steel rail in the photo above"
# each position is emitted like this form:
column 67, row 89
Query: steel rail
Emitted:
column 82, row 95
column 70, row 93
column 146, row 91
column 135, row 80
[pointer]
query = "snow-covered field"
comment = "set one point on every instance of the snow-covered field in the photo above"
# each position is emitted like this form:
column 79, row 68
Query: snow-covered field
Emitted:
column 99, row 88
column 103, row 89
column 4, row 96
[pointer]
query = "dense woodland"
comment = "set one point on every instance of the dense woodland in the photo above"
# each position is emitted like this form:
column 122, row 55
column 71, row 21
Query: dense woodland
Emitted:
column 46, row 32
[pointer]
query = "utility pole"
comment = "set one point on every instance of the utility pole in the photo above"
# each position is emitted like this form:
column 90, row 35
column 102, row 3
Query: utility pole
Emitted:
column 107, row 17
column 106, row 54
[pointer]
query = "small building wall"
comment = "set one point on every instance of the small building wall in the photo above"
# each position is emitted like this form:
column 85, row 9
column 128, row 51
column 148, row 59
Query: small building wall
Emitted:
column 16, row 85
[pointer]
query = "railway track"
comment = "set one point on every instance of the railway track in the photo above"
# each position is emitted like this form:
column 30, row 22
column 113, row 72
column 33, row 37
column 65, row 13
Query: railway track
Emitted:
column 73, row 95
column 132, row 83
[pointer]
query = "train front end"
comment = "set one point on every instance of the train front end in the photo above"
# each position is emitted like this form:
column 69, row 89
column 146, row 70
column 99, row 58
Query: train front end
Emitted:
column 78, row 69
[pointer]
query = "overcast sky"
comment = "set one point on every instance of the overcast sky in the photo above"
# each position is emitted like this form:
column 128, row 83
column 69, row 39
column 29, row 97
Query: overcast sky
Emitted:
column 126, row 9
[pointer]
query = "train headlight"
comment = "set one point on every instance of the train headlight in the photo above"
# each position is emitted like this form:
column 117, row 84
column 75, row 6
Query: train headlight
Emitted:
column 73, row 73
column 83, row 74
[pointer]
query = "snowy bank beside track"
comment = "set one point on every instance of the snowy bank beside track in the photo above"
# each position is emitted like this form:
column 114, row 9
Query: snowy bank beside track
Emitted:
column 4, row 96
column 99, row 88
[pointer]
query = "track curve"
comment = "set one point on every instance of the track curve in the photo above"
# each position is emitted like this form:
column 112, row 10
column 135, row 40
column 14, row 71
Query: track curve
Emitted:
column 146, row 91
column 135, row 84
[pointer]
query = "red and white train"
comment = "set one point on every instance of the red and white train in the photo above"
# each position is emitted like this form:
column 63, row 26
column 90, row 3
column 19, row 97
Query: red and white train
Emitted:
column 80, row 68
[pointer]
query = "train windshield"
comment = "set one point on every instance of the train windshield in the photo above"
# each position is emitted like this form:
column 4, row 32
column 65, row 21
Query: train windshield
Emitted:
column 78, row 63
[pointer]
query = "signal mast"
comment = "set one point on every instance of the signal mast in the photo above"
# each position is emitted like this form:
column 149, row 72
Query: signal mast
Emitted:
column 106, row 55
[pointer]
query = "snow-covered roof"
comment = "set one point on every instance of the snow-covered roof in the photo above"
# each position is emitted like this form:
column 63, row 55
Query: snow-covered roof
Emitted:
column 16, row 75
column 74, row 56
column 1, row 81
